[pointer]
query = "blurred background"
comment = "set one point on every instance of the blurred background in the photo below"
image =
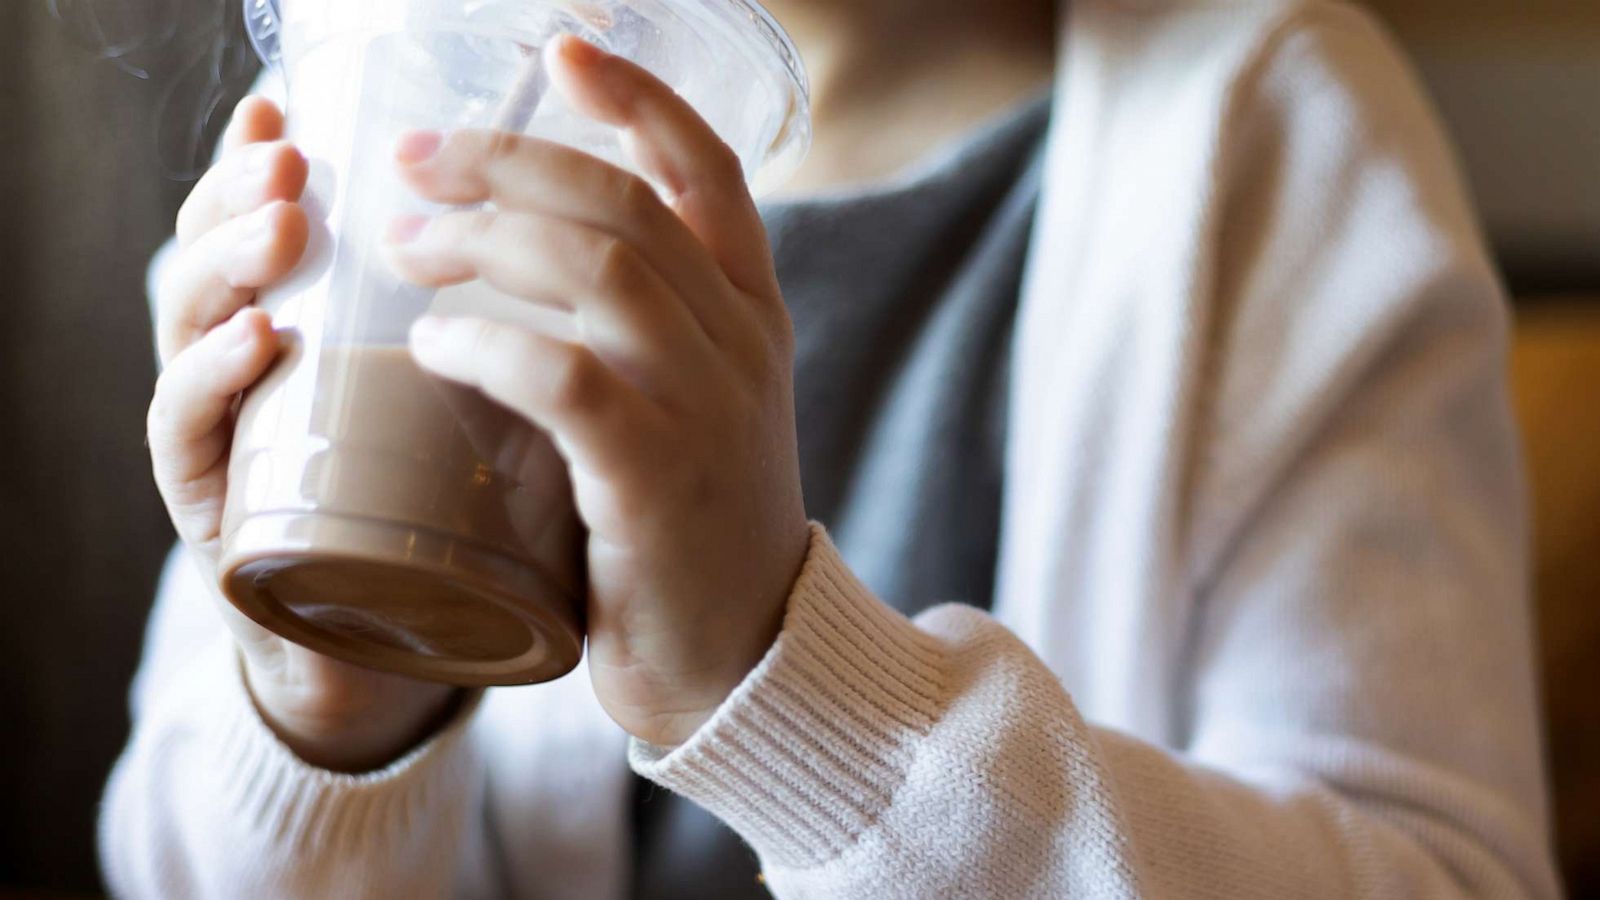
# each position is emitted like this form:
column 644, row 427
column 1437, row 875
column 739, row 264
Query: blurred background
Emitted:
column 101, row 129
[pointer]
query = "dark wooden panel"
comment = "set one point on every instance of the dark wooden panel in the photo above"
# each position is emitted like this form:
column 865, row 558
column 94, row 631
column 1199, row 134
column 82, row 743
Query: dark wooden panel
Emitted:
column 82, row 204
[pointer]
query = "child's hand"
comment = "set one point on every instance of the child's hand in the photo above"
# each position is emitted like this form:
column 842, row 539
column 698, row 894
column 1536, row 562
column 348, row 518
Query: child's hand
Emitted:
column 674, row 406
column 241, row 230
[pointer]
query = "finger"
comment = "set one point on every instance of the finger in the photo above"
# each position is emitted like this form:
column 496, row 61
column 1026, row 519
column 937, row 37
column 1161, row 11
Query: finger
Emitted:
column 255, row 119
column 194, row 397
column 242, row 181
column 593, row 415
column 625, row 311
column 675, row 147
column 529, row 175
column 213, row 279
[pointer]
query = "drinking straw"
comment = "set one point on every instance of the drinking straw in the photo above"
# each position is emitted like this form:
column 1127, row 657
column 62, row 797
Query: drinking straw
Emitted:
column 525, row 94
column 515, row 111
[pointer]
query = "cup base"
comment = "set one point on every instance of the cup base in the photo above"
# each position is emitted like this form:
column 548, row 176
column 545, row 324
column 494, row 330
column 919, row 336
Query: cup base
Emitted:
column 398, row 599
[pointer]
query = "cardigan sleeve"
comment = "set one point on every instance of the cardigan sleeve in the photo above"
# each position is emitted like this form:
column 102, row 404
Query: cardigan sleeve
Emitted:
column 1358, row 685
column 207, row 802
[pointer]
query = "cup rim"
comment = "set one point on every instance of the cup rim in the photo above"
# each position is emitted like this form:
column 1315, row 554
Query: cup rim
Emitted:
column 790, row 143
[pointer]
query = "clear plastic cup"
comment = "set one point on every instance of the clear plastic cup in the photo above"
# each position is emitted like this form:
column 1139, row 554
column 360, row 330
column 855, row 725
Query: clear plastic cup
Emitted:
column 375, row 513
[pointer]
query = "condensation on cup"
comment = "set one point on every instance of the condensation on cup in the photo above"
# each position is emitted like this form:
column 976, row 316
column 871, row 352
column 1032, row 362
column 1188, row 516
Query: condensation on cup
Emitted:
column 377, row 514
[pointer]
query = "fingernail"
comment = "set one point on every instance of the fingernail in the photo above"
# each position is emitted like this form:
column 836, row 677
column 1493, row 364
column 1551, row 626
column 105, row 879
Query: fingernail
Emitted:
column 579, row 51
column 406, row 229
column 418, row 146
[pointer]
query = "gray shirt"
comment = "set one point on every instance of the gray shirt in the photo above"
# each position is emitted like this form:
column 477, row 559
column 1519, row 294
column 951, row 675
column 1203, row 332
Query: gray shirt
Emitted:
column 903, row 299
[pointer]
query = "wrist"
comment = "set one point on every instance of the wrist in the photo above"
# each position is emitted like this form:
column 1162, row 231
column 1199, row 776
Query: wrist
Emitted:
column 677, row 727
column 357, row 724
column 726, row 665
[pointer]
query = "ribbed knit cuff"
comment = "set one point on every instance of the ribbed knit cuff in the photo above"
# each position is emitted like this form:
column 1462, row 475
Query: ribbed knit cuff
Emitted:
column 267, row 786
column 809, row 750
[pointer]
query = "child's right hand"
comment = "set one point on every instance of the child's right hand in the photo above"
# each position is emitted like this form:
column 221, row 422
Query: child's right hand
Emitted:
column 240, row 230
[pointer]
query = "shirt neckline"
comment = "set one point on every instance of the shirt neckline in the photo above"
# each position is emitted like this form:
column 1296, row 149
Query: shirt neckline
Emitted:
column 935, row 165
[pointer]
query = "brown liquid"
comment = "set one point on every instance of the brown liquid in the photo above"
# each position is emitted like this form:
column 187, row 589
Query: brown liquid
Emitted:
column 386, row 517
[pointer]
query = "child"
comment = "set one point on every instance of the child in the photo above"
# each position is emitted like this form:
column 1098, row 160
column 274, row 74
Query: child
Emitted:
column 1186, row 380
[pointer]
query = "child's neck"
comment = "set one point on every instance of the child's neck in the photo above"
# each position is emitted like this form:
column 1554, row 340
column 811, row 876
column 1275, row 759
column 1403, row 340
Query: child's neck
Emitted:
column 892, row 78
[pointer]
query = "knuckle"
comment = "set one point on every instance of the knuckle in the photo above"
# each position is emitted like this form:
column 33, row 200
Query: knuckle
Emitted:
column 161, row 412
column 177, row 317
column 496, row 357
column 575, row 380
column 489, row 347
column 725, row 165
column 636, row 198
column 499, row 147
column 475, row 229
column 461, row 237
column 167, row 341
column 472, row 245
column 617, row 264
column 156, row 415
column 500, row 355
column 169, row 289
column 184, row 227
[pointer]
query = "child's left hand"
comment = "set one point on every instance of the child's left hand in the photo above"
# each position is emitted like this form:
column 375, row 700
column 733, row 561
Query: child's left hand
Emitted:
column 674, row 406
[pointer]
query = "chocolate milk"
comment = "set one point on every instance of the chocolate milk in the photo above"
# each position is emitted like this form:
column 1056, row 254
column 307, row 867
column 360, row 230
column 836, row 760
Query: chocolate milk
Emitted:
column 391, row 519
